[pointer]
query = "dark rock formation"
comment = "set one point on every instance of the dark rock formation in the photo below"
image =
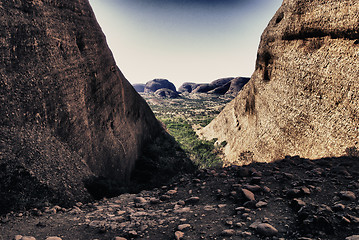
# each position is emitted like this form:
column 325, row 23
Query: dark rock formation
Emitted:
column 219, row 83
column 67, row 112
column 202, row 88
column 139, row 87
column 237, row 84
column 187, row 87
column 303, row 96
column 223, row 89
column 220, row 86
column 166, row 93
column 155, row 84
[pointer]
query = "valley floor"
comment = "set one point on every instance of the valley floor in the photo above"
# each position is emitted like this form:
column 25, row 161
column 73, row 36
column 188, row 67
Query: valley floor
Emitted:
column 290, row 199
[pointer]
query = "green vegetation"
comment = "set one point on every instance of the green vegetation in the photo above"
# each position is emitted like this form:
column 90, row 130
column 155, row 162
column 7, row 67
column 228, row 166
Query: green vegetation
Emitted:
column 203, row 153
column 187, row 114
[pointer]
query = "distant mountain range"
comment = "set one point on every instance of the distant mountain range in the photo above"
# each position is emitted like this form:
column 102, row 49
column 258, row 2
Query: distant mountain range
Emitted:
column 164, row 88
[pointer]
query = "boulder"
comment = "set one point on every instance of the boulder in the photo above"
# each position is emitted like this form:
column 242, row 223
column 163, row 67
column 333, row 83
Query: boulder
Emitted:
column 156, row 84
column 302, row 98
column 68, row 114
column 139, row 87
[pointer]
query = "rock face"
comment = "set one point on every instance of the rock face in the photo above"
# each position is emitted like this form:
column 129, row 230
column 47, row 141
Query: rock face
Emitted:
column 67, row 112
column 303, row 96
column 139, row 87
column 156, row 84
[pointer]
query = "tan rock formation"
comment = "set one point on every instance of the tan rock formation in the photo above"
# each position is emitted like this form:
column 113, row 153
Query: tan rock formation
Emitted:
column 303, row 98
column 67, row 112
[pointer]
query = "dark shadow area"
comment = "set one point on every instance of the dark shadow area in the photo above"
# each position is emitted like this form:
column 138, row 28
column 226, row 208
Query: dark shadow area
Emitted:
column 160, row 161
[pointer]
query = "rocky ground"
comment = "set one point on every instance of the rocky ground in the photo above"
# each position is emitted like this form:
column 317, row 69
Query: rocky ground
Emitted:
column 290, row 199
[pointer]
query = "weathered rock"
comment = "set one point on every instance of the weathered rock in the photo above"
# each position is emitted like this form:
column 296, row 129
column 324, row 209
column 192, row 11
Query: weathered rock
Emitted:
column 183, row 227
column 179, row 235
column 67, row 112
column 156, row 84
column 248, row 195
column 266, row 229
column 301, row 99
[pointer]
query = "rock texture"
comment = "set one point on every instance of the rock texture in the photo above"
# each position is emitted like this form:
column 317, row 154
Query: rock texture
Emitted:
column 209, row 205
column 156, row 84
column 67, row 112
column 303, row 96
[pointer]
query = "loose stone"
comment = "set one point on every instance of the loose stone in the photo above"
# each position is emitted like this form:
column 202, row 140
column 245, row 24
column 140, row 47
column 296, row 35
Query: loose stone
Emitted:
column 266, row 229
column 183, row 227
column 248, row 195
column 119, row 238
column 179, row 235
column 228, row 232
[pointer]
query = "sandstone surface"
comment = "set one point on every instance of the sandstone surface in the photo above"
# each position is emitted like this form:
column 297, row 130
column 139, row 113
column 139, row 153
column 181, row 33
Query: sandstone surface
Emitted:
column 303, row 97
column 67, row 112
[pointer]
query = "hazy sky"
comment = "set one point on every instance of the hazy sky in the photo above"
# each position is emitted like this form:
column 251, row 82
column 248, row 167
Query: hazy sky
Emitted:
column 184, row 40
